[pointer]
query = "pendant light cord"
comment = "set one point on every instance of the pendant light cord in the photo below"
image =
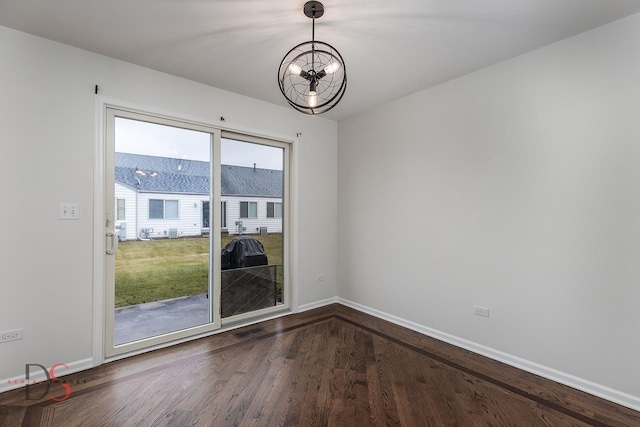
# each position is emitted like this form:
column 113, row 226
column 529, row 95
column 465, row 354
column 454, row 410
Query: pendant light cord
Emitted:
column 313, row 41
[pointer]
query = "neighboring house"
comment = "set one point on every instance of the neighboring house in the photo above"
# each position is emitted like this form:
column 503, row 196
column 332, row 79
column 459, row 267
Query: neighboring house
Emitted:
column 167, row 197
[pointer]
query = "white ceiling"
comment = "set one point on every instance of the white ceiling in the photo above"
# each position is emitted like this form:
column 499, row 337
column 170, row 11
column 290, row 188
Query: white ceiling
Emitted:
column 391, row 48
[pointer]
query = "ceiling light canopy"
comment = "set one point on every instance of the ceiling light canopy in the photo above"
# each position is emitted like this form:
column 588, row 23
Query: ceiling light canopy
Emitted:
column 312, row 75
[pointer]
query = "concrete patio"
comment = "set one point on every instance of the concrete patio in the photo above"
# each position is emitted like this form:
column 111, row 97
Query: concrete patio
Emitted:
column 243, row 290
column 136, row 322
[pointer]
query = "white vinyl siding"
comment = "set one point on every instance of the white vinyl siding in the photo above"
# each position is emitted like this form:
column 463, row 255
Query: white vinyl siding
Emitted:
column 189, row 222
column 251, row 225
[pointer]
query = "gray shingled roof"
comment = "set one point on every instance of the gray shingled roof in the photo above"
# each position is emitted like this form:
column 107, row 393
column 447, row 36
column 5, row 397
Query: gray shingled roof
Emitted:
column 192, row 176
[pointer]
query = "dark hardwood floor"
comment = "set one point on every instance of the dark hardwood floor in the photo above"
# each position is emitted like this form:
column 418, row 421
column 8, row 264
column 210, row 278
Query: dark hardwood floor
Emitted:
column 330, row 366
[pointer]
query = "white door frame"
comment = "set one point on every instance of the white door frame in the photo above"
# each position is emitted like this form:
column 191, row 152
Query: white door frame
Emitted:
column 99, row 271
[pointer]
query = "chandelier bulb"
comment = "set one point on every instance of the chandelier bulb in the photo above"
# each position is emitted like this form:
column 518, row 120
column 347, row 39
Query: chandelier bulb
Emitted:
column 313, row 95
column 332, row 68
column 313, row 98
column 295, row 69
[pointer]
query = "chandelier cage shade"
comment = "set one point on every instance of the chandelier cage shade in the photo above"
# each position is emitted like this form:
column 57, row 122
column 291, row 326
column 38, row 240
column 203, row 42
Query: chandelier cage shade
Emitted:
column 312, row 76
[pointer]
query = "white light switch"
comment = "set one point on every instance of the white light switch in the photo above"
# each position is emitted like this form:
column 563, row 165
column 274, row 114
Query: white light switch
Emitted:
column 68, row 211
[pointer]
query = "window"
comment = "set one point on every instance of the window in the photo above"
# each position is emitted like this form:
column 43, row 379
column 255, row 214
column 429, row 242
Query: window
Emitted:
column 163, row 209
column 120, row 209
column 223, row 214
column 205, row 214
column 274, row 210
column 248, row 209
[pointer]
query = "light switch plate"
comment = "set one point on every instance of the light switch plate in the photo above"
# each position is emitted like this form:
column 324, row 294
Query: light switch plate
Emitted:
column 68, row 211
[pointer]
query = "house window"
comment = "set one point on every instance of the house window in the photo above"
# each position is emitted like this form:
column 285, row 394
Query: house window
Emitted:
column 163, row 209
column 120, row 209
column 248, row 209
column 223, row 214
column 205, row 214
column 274, row 210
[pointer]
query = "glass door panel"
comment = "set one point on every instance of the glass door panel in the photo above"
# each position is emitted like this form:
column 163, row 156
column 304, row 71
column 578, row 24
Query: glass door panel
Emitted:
column 160, row 280
column 252, row 181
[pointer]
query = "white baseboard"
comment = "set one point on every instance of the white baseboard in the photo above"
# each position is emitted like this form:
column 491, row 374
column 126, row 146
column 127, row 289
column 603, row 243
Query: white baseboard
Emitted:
column 616, row 396
column 317, row 304
column 37, row 375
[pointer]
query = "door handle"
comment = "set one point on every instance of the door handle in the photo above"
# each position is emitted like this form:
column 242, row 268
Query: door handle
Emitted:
column 112, row 243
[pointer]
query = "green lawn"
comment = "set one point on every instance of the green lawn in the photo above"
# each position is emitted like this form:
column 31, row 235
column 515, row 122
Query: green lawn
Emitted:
column 168, row 268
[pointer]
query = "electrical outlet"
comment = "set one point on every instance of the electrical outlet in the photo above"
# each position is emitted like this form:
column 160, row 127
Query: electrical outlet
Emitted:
column 320, row 278
column 481, row 311
column 14, row 335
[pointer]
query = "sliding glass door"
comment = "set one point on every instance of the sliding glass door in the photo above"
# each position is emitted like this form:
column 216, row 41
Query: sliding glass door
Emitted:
column 160, row 270
column 197, row 229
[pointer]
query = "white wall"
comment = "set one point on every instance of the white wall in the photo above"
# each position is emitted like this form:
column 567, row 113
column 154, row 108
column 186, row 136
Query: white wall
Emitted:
column 47, row 132
column 515, row 188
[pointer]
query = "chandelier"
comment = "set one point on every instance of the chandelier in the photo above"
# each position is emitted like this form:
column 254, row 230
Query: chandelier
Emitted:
column 312, row 75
